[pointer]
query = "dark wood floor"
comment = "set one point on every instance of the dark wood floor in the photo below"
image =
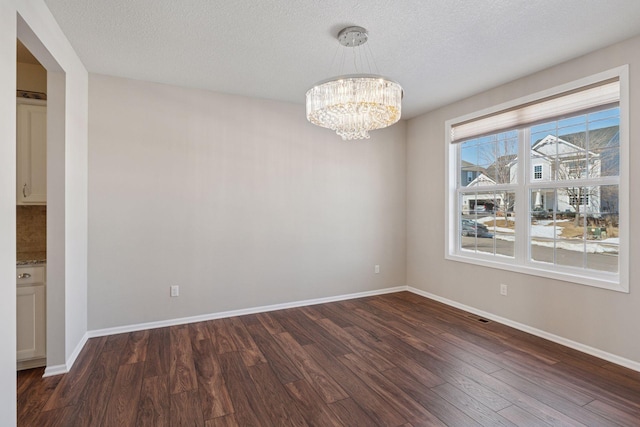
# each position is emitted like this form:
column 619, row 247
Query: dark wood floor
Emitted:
column 392, row 360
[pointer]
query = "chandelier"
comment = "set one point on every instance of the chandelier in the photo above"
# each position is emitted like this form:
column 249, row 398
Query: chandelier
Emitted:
column 354, row 104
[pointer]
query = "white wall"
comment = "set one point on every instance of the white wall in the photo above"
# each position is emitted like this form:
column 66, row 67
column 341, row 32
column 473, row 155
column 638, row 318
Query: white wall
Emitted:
column 602, row 319
column 239, row 201
column 7, row 213
column 42, row 36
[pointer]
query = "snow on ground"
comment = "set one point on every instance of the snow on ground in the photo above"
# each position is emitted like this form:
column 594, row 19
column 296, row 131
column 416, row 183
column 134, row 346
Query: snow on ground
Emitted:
column 544, row 229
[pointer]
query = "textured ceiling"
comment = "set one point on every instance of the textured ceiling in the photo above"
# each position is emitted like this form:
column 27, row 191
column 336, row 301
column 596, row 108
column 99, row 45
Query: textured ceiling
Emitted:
column 438, row 50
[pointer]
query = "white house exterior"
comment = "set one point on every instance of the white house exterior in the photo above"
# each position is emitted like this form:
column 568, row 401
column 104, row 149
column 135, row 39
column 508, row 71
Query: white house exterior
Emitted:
column 553, row 159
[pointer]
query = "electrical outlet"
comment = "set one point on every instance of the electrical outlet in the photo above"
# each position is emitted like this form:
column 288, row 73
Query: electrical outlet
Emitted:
column 376, row 269
column 503, row 289
column 175, row 290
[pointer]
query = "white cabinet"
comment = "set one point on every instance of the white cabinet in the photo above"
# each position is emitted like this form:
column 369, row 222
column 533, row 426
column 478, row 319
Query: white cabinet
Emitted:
column 31, row 316
column 31, row 150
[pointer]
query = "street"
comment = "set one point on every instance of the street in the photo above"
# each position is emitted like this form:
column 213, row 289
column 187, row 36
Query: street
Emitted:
column 595, row 261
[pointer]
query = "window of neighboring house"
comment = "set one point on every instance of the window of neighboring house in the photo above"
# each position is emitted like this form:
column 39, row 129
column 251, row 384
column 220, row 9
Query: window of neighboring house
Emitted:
column 537, row 172
column 569, row 225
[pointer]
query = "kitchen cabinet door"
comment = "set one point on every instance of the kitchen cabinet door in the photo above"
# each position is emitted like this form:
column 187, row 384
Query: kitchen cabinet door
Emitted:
column 31, row 328
column 31, row 150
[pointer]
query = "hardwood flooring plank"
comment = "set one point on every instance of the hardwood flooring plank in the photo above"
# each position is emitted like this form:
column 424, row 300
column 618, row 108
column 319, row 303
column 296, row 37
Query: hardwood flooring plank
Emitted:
column 52, row 418
column 311, row 312
column 471, row 407
column 369, row 401
column 325, row 385
column 186, row 410
column 282, row 366
column 606, row 386
column 33, row 394
column 321, row 335
column 363, row 318
column 93, row 404
column 25, row 377
column 199, row 331
column 407, row 364
column 351, row 414
column 270, row 323
column 283, row 410
column 555, row 401
column 334, row 312
column 316, row 412
column 292, row 327
column 154, row 406
column 226, row 421
column 158, row 361
column 72, row 385
column 221, row 336
column 520, row 417
column 211, row 385
column 250, row 352
column 248, row 411
column 415, row 413
column 354, row 345
column 521, row 364
column 135, row 350
column 116, row 342
column 451, row 370
column 122, row 408
column 182, row 374
column 438, row 406
column 621, row 417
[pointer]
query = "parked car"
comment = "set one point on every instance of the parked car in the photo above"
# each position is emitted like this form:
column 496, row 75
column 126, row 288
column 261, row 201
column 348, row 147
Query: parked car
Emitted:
column 540, row 213
column 473, row 228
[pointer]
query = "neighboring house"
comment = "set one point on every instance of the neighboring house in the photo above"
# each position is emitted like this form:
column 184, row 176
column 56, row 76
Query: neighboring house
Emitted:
column 482, row 201
column 555, row 157
column 551, row 157
column 469, row 172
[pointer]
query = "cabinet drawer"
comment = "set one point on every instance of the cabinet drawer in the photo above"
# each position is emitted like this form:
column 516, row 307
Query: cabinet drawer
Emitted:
column 29, row 275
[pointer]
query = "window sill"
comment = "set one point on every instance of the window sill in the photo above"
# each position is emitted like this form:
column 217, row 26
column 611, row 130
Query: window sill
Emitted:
column 603, row 280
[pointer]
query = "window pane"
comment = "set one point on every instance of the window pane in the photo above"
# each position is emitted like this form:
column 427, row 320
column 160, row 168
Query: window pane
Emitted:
column 544, row 150
column 602, row 257
column 607, row 161
column 584, row 235
column 542, row 229
column 505, row 224
column 570, row 252
column 602, row 231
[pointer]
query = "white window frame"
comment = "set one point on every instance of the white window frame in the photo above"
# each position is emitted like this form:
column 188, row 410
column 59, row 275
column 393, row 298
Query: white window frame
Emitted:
column 521, row 263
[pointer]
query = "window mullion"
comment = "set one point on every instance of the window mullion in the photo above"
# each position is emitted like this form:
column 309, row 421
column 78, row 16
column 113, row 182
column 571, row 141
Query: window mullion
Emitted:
column 521, row 228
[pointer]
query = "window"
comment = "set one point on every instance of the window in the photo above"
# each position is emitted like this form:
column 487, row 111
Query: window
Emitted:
column 537, row 172
column 567, row 217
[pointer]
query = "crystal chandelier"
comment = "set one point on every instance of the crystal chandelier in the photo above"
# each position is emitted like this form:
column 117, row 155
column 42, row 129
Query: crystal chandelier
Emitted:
column 354, row 104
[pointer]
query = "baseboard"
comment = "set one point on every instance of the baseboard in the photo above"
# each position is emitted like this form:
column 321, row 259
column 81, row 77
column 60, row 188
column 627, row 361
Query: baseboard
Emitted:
column 241, row 312
column 627, row 363
column 63, row 369
column 50, row 371
column 30, row 364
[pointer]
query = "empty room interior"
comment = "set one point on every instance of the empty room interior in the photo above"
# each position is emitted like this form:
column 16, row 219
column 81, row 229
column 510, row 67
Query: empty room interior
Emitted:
column 236, row 213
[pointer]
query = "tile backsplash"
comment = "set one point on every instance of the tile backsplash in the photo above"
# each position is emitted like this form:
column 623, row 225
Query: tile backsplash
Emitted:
column 31, row 229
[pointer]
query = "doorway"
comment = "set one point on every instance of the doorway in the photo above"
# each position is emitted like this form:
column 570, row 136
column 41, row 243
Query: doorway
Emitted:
column 31, row 209
column 54, row 269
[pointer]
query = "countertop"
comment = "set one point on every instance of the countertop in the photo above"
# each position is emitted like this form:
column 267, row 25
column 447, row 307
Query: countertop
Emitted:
column 31, row 258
